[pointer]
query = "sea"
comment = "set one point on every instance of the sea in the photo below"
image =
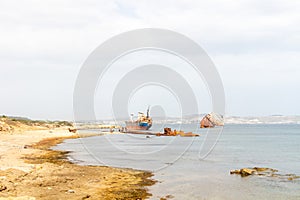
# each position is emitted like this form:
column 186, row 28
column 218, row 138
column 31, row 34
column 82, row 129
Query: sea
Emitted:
column 199, row 167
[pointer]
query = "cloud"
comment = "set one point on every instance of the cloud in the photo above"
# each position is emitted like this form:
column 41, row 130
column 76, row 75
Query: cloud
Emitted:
column 248, row 40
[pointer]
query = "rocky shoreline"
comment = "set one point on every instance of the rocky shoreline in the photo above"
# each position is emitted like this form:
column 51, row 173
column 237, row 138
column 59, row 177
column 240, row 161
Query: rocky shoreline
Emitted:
column 30, row 170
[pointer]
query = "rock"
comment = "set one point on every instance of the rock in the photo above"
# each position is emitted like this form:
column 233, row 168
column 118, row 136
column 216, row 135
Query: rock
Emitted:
column 291, row 177
column 247, row 171
column 86, row 197
column 265, row 172
column 259, row 169
column 2, row 188
column 72, row 130
column 71, row 191
column 264, row 169
column 244, row 171
column 237, row 171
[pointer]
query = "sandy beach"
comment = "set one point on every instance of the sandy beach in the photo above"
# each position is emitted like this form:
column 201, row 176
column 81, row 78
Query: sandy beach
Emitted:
column 29, row 170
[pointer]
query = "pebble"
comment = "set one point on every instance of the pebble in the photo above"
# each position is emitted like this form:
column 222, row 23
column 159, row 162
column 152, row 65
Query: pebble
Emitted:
column 71, row 191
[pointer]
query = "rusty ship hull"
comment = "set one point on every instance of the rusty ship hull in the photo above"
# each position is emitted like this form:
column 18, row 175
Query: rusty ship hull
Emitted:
column 136, row 125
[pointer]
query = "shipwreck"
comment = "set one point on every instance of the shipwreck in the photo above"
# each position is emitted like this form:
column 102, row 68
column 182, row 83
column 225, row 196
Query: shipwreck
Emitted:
column 211, row 120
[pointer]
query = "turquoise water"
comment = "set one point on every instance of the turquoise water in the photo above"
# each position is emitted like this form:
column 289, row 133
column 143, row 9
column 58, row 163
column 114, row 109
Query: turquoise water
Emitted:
column 190, row 168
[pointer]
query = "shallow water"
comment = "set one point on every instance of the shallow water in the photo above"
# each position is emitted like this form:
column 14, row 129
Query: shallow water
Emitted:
column 183, row 170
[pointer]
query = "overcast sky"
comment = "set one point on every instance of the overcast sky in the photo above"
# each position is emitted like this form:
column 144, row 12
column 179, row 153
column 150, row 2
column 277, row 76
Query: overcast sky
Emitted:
column 255, row 45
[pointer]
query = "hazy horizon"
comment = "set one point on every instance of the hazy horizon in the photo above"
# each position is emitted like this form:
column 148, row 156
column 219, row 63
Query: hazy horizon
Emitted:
column 161, row 117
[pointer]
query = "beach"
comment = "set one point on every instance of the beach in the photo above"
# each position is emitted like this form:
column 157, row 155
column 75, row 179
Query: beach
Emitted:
column 30, row 170
column 45, row 160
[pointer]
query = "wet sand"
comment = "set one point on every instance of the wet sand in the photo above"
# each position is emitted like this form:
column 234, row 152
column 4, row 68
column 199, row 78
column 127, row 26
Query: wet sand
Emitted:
column 30, row 170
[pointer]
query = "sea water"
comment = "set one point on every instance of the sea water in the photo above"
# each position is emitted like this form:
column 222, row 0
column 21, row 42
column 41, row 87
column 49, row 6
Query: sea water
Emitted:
column 199, row 167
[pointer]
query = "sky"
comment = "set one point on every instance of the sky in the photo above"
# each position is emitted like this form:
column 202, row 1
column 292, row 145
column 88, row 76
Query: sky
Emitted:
column 254, row 44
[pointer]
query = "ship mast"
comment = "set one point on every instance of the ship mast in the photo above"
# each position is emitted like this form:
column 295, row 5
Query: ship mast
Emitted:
column 148, row 111
column 131, row 117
